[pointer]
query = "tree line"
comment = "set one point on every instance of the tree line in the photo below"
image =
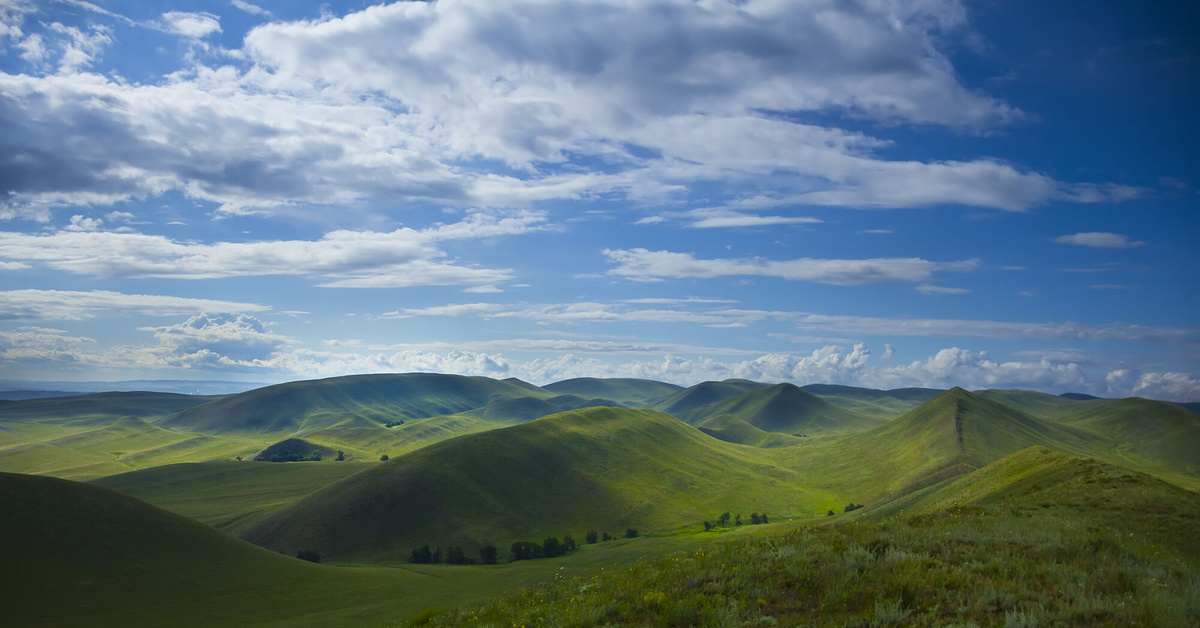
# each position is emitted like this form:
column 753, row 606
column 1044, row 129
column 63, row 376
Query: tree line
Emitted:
column 519, row 550
column 723, row 520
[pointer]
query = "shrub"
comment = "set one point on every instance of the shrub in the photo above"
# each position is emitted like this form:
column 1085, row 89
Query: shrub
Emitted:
column 383, row 458
column 852, row 506
column 421, row 555
column 591, row 536
column 568, row 543
column 487, row 554
column 606, row 537
column 551, row 547
column 525, row 550
column 631, row 533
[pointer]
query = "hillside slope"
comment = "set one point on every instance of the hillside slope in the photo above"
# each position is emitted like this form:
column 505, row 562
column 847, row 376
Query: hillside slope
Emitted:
column 704, row 393
column 598, row 468
column 952, row 434
column 731, row 429
column 379, row 398
column 786, row 409
column 628, row 391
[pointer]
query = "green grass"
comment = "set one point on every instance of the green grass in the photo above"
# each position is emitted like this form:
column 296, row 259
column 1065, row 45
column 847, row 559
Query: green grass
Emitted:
column 784, row 408
column 1057, row 541
column 378, row 398
column 601, row 468
column 731, row 429
column 631, row 392
column 228, row 495
column 704, row 393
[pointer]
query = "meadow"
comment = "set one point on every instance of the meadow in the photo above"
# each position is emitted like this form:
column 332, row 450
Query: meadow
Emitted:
column 981, row 508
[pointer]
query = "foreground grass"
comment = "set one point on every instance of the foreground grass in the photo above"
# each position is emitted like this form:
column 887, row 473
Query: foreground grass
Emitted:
column 951, row 569
column 1035, row 539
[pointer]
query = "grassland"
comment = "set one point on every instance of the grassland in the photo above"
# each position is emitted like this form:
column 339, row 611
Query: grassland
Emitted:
column 1034, row 539
column 992, row 507
column 600, row 468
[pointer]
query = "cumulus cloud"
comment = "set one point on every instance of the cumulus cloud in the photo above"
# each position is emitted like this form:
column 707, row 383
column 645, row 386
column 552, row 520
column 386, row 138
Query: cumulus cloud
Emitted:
column 644, row 265
column 236, row 338
column 1097, row 239
column 191, row 25
column 399, row 101
column 75, row 305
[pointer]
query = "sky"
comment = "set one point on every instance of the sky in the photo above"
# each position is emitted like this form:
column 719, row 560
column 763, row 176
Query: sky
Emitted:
column 878, row 193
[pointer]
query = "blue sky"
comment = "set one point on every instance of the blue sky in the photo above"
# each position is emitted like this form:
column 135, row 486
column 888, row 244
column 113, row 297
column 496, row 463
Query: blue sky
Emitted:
column 875, row 193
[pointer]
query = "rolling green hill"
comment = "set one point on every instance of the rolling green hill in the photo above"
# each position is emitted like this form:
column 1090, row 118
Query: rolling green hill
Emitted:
column 1035, row 538
column 784, row 408
column 1149, row 435
column 79, row 409
column 703, row 393
column 228, row 495
column 952, row 434
column 627, row 391
column 881, row 404
column 731, row 429
column 598, row 468
column 380, row 398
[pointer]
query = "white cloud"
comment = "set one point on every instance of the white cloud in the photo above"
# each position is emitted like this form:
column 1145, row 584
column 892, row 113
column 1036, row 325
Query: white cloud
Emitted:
column 1099, row 240
column 237, row 338
column 932, row 289
column 404, row 257
column 714, row 221
column 191, row 25
column 1170, row 386
column 393, row 104
column 644, row 265
column 71, row 305
column 252, row 9
column 79, row 223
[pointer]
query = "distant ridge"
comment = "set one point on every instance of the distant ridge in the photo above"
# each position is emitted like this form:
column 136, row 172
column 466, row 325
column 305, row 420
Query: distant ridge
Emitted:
column 705, row 393
column 628, row 391
column 1078, row 396
column 731, row 429
column 783, row 408
column 381, row 398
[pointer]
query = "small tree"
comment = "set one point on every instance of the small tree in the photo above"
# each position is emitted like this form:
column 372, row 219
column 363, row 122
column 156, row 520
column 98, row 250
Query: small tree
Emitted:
column 421, row 555
column 487, row 554
column 568, row 543
column 707, row 526
column 437, row 555
column 738, row 520
column 723, row 520
column 455, row 555
column 763, row 518
column 829, row 514
column 754, row 520
column 341, row 456
column 591, row 536
column 551, row 547
column 383, row 458
column 631, row 533
column 606, row 537
column 239, row 458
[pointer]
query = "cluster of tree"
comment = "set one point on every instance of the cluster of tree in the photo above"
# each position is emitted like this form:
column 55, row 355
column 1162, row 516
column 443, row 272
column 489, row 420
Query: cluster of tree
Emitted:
column 723, row 520
column 551, row 547
column 849, row 507
column 341, row 456
column 296, row 456
column 455, row 555
column 383, row 458
column 393, row 423
column 308, row 555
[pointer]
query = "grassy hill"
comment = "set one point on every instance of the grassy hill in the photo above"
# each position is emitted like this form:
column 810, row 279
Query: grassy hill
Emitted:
column 598, row 468
column 379, row 398
column 228, row 495
column 704, row 393
column 881, row 404
column 783, row 408
column 954, row 433
column 1151, row 435
column 627, row 391
column 78, row 409
column 81, row 555
column 1036, row 538
column 731, row 429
